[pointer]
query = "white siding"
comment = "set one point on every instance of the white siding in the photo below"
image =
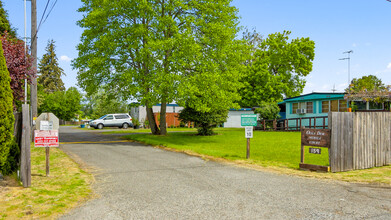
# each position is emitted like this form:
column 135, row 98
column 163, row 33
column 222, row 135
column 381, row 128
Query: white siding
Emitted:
column 233, row 120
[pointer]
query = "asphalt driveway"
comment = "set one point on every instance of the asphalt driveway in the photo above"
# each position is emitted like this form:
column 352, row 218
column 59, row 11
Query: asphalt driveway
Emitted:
column 136, row 181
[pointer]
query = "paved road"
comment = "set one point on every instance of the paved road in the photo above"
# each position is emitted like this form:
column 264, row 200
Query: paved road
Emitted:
column 135, row 181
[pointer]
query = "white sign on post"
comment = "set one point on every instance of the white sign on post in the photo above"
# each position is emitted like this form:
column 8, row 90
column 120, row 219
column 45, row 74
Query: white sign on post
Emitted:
column 249, row 131
column 46, row 125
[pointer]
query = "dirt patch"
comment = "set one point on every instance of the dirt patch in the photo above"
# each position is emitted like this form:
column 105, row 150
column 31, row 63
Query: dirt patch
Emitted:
column 7, row 184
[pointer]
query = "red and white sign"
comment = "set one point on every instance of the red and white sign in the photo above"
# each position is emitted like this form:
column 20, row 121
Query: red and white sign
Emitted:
column 46, row 138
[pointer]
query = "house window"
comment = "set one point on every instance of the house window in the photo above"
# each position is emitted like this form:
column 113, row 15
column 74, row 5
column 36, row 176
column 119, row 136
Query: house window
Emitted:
column 375, row 106
column 310, row 107
column 295, row 106
column 325, row 106
column 334, row 106
column 343, row 107
column 360, row 105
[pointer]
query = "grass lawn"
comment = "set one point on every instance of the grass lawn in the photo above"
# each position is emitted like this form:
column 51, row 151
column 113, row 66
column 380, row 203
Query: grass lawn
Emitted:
column 50, row 196
column 267, row 148
column 278, row 151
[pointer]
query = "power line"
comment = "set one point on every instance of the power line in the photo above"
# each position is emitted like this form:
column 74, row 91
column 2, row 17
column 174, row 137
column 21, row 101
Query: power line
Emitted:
column 43, row 18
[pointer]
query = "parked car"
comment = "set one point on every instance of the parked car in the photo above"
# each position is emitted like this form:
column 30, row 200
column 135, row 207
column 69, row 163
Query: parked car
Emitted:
column 121, row 120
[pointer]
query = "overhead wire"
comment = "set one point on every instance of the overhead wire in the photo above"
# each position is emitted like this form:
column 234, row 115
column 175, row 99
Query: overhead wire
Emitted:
column 43, row 18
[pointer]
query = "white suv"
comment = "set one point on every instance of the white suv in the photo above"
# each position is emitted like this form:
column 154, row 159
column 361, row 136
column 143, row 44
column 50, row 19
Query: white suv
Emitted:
column 122, row 120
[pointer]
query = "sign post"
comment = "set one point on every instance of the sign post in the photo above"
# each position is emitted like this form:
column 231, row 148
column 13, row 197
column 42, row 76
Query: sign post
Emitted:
column 249, row 121
column 47, row 135
column 315, row 138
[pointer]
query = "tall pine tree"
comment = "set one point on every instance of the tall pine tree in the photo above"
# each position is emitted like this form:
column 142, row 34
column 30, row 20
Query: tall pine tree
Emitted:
column 50, row 71
column 4, row 23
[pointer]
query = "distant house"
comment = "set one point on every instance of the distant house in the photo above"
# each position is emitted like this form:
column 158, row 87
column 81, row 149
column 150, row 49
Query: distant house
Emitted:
column 140, row 113
column 172, row 111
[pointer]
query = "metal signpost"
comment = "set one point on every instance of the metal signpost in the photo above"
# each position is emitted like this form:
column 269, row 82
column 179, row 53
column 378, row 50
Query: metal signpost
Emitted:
column 47, row 135
column 249, row 121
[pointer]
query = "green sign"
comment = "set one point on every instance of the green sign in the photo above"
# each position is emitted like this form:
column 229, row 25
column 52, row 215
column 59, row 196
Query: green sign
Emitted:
column 249, row 120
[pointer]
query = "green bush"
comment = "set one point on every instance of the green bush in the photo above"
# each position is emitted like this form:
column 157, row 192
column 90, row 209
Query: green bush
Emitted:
column 6, row 116
column 204, row 121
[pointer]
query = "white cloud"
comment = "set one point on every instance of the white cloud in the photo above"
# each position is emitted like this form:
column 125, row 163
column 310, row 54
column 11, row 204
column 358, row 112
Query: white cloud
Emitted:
column 354, row 45
column 65, row 58
column 389, row 66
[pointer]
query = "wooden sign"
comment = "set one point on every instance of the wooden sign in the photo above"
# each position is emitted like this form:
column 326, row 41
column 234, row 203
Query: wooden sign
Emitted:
column 315, row 137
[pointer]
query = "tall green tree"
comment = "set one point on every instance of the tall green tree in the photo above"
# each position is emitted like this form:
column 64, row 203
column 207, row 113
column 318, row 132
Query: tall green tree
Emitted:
column 369, row 88
column 5, row 25
column 277, row 68
column 50, row 71
column 64, row 104
column 7, row 117
column 366, row 83
column 99, row 104
column 145, row 50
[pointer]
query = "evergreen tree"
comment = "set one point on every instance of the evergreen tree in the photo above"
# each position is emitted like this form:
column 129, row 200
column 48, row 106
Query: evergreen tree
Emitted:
column 50, row 71
column 7, row 117
column 4, row 23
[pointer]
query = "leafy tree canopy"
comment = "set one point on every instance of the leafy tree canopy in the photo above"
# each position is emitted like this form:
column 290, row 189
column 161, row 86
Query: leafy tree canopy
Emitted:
column 50, row 71
column 5, row 25
column 276, row 69
column 19, row 66
column 159, row 51
column 64, row 104
column 368, row 88
column 268, row 111
column 99, row 104
column 366, row 83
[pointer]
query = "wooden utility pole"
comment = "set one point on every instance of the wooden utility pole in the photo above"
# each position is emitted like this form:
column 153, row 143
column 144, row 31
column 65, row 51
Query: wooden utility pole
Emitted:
column 33, row 87
column 25, row 162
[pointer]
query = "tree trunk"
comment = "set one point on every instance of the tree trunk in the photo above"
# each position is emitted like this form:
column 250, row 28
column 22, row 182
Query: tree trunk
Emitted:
column 154, row 128
column 163, row 123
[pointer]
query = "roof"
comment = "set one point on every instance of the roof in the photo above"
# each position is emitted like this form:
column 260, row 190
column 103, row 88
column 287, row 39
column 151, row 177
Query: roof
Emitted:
column 315, row 96
column 241, row 109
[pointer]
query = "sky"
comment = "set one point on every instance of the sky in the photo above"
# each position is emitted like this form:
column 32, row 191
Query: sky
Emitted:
column 335, row 26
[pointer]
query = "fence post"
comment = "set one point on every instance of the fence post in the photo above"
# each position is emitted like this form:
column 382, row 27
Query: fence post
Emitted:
column 25, row 161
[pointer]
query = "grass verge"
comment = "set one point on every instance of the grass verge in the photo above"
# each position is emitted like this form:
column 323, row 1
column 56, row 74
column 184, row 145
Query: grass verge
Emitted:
column 273, row 151
column 48, row 197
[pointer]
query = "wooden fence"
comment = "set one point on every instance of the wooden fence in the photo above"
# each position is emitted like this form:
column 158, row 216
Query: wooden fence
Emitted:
column 359, row 140
column 18, row 127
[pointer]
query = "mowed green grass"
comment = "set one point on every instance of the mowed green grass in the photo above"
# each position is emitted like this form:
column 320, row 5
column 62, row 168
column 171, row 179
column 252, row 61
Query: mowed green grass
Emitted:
column 277, row 149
